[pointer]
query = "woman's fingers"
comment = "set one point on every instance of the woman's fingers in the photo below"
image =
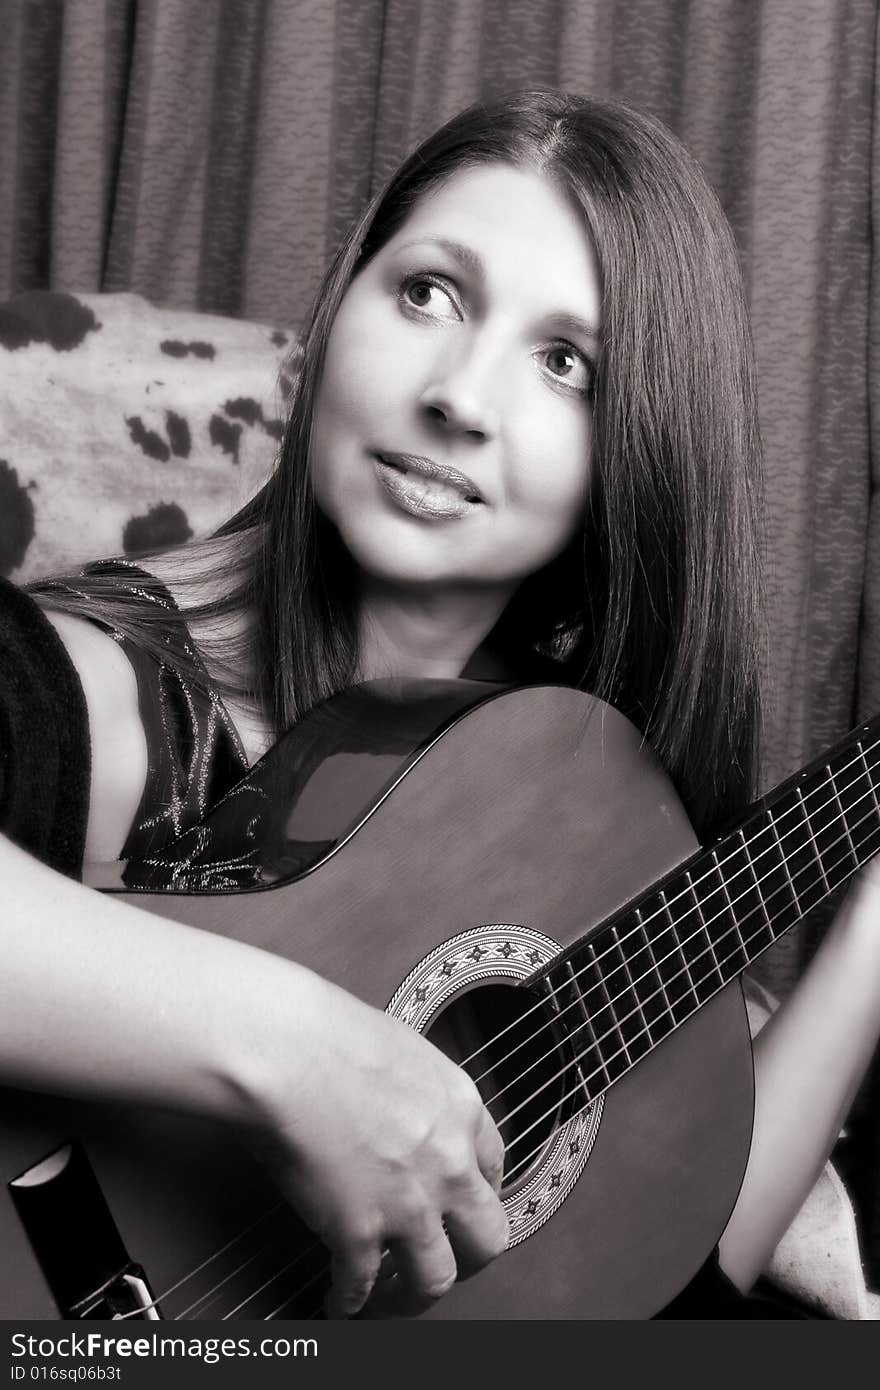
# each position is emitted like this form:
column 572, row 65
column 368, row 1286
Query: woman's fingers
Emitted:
column 425, row 1270
column 417, row 1272
column 489, row 1150
column 478, row 1231
column 353, row 1273
column 411, row 1275
column 420, row 1265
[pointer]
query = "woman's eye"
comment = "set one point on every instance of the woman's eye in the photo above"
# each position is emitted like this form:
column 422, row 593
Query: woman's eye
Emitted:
column 430, row 296
column 567, row 366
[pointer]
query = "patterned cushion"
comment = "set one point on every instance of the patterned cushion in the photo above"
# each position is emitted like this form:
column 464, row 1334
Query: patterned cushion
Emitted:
column 124, row 425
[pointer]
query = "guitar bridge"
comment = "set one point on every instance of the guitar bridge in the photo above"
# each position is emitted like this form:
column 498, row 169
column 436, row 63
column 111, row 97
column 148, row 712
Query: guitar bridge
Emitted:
column 76, row 1241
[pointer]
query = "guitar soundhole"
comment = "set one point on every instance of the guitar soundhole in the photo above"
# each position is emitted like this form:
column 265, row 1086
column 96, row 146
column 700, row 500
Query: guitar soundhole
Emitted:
column 511, row 1045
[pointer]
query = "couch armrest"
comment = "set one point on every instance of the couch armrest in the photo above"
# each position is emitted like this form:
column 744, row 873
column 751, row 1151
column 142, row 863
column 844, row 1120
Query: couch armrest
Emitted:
column 125, row 426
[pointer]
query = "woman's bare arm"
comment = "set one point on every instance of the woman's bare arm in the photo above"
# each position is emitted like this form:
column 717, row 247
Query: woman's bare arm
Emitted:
column 377, row 1137
column 809, row 1060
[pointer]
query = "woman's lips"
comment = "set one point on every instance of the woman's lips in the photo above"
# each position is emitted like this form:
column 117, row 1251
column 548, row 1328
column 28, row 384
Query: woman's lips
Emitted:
column 424, row 488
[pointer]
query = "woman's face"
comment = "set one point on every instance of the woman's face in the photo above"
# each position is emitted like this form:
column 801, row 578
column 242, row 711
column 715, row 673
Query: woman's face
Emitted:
column 453, row 426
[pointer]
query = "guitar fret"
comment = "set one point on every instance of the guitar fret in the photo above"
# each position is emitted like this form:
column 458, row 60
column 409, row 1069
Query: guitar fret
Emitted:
column 659, row 998
column 734, row 957
column 613, row 993
column 580, row 1008
column 815, row 847
column 798, row 850
column 699, row 908
column 784, row 860
column 566, row 997
column 698, row 945
column 665, row 950
column 834, row 788
column 615, row 1058
column 584, row 1068
column 755, row 879
column 869, row 778
column 688, row 979
column 869, row 810
column 829, row 826
column 857, row 799
column 638, row 1041
column 752, row 903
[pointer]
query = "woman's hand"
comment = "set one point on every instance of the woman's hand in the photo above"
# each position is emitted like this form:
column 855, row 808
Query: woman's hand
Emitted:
column 379, row 1140
column 381, row 1143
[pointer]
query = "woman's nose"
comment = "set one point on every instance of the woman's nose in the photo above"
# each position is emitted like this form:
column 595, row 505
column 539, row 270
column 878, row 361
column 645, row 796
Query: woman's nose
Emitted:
column 461, row 395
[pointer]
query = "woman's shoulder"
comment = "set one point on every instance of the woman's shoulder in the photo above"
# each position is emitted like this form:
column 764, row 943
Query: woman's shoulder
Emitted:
column 116, row 733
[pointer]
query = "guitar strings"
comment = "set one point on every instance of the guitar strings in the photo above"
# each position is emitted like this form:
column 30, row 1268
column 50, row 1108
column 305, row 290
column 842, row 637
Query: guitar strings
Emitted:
column 310, row 1249
column 582, row 1082
column 621, row 1051
column 215, row 1289
column 682, row 973
column 665, row 910
column 314, row 1246
column 646, row 921
column 610, row 1002
column 297, row 1294
column 209, row 1260
column 632, row 981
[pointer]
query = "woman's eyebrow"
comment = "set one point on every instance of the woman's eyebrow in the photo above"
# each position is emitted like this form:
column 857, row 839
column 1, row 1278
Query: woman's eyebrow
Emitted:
column 471, row 261
column 573, row 323
column 463, row 254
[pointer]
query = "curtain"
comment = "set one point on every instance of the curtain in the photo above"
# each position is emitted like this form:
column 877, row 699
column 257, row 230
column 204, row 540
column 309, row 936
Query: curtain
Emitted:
column 210, row 155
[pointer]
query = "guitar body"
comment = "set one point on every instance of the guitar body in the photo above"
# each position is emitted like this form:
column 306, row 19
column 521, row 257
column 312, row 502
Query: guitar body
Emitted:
column 505, row 821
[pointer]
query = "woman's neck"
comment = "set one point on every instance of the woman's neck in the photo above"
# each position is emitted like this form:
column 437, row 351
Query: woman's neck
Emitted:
column 422, row 634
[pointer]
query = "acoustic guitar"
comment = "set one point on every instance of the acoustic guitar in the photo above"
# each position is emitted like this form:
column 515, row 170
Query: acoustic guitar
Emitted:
column 509, row 870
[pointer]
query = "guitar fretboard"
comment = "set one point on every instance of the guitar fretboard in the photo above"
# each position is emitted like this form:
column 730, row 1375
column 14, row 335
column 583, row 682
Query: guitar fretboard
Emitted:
column 642, row 974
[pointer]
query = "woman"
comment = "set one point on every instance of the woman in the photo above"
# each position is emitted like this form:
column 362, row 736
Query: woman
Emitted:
column 523, row 444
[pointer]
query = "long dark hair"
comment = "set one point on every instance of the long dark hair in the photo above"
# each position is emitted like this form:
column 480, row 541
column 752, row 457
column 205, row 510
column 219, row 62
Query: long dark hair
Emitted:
column 655, row 607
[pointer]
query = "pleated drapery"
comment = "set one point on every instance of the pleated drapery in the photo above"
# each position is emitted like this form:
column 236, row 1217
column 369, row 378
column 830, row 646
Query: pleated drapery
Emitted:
column 209, row 155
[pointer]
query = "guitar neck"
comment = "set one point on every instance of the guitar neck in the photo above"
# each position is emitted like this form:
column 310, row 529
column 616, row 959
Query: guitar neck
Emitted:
column 654, row 964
